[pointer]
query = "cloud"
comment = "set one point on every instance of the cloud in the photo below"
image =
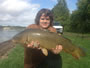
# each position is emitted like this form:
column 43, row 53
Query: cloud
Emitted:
column 17, row 12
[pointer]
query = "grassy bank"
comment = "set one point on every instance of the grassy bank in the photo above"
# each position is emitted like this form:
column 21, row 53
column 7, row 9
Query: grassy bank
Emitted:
column 82, row 41
column 16, row 56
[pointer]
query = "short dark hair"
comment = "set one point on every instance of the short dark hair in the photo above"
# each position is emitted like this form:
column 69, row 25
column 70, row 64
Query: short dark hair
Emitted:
column 47, row 12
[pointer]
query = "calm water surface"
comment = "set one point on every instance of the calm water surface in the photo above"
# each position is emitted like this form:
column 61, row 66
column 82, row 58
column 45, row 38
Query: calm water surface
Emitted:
column 6, row 34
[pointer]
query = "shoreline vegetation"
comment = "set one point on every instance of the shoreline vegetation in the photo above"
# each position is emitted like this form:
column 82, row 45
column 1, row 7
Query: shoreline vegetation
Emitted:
column 12, row 27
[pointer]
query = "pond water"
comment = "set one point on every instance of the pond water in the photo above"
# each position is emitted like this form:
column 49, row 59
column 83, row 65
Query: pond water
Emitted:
column 6, row 34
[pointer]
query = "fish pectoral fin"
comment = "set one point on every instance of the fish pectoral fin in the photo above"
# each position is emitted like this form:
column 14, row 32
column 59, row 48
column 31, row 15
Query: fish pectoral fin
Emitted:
column 44, row 51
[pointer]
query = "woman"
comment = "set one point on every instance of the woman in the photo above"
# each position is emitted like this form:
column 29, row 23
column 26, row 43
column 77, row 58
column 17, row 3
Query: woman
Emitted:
column 44, row 20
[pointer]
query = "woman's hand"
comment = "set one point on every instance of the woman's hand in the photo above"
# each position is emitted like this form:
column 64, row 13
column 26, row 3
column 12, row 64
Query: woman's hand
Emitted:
column 57, row 50
column 34, row 44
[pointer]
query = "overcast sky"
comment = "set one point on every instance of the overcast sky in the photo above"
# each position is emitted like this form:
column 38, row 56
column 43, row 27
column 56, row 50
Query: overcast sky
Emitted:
column 22, row 12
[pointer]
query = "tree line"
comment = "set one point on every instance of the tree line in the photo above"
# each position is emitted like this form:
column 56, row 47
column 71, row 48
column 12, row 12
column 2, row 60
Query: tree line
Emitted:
column 78, row 20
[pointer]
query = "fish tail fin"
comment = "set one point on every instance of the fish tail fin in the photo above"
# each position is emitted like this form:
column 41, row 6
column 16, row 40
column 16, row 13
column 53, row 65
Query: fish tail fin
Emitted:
column 83, row 52
column 79, row 52
column 5, row 47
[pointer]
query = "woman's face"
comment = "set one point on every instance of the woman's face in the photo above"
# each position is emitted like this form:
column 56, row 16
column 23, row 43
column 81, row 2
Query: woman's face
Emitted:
column 44, row 21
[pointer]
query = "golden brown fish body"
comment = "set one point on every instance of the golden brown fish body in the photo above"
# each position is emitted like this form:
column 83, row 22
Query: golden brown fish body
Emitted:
column 48, row 40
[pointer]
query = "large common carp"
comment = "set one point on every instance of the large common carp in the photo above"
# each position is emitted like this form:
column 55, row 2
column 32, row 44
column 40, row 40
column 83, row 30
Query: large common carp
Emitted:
column 47, row 41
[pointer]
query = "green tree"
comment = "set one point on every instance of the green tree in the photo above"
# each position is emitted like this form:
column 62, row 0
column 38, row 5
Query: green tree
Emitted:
column 80, row 19
column 61, row 12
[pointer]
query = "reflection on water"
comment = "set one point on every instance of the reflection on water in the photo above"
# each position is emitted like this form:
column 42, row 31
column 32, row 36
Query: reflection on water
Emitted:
column 6, row 34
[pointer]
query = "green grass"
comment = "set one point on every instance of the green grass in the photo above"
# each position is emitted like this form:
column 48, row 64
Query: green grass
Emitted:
column 16, row 56
column 84, row 42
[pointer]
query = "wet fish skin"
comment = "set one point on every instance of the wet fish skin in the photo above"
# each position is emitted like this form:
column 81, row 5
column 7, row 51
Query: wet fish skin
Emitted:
column 48, row 40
